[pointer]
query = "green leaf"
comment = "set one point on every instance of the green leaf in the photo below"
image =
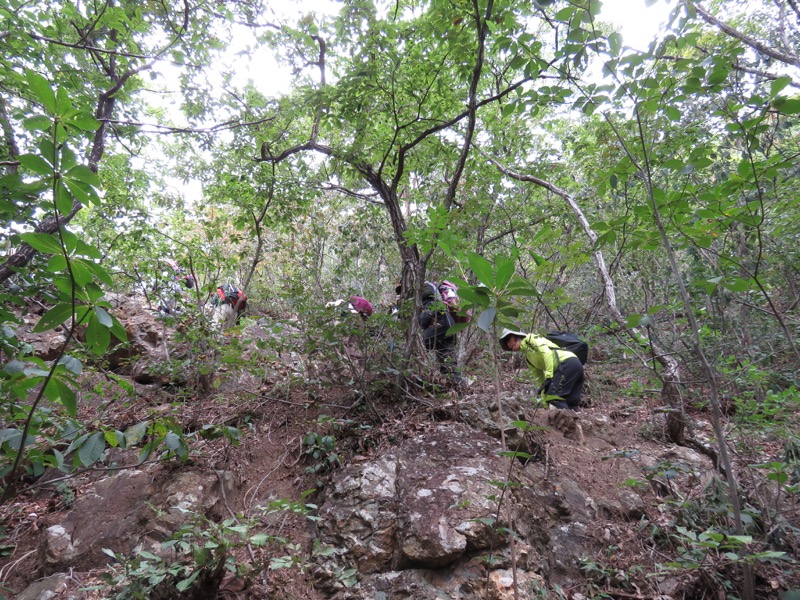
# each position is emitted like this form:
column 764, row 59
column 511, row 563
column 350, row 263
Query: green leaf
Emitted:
column 72, row 364
column 37, row 123
column 103, row 317
column 63, row 198
column 778, row 85
column 84, row 174
column 135, row 433
column 737, row 284
column 118, row 330
column 92, row 449
column 481, row 267
column 35, row 163
column 82, row 192
column 98, row 336
column 67, row 396
column 458, row 327
column 84, row 122
column 42, row 242
column 42, row 92
column 97, row 270
column 54, row 317
column 615, row 43
column 565, row 14
column 183, row 585
column 786, row 106
column 505, row 270
column 479, row 296
column 673, row 114
column 538, row 258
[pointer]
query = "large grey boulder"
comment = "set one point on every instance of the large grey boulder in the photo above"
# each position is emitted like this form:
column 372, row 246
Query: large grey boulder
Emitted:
column 133, row 509
column 422, row 520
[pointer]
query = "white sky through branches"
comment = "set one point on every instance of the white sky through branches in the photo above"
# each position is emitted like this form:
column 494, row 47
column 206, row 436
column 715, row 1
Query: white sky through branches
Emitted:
column 639, row 22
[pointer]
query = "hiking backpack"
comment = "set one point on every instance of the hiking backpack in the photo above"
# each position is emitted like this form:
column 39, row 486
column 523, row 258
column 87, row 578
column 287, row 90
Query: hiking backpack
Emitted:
column 570, row 341
column 231, row 294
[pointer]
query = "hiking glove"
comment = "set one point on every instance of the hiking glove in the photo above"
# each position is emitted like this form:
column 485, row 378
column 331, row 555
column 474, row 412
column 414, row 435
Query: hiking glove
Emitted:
column 544, row 386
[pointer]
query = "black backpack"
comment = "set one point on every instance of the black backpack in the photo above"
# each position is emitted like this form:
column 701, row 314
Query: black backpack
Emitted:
column 570, row 341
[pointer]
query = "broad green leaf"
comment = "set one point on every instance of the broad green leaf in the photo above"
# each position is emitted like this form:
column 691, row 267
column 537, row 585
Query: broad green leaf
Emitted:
column 37, row 123
column 118, row 330
column 42, row 242
column 42, row 91
column 103, row 317
column 538, row 258
column 479, row 296
column 97, row 270
column 37, row 164
column 615, row 43
column 57, row 263
column 63, row 198
column 487, row 318
column 81, row 273
column 482, row 268
column 68, row 158
column 54, row 317
column 778, row 85
column 63, row 102
column 84, row 122
column 135, row 433
column 67, row 396
column 72, row 364
column 458, row 327
column 85, row 249
column 737, row 284
column 111, row 438
column 787, row 106
column 505, row 270
column 84, row 174
column 70, row 240
column 673, row 114
column 98, row 336
column 92, row 449
column 82, row 192
column 183, row 585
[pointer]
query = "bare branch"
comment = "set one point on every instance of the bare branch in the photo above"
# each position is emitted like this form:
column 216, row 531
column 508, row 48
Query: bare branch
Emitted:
column 760, row 47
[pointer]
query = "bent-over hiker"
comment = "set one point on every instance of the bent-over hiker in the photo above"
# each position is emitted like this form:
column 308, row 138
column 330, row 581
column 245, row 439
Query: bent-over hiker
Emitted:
column 230, row 303
column 559, row 372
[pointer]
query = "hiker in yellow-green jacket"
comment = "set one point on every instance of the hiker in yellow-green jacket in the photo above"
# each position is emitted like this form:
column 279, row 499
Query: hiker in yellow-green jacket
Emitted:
column 558, row 371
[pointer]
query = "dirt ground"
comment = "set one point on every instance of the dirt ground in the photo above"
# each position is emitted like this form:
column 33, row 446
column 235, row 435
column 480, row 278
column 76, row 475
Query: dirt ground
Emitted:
column 270, row 464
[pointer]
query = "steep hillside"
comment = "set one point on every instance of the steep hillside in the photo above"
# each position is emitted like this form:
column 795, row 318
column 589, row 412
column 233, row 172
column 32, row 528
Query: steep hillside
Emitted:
column 344, row 481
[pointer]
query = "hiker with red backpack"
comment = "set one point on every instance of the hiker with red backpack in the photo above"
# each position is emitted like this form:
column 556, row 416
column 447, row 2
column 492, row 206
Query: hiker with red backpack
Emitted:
column 558, row 370
column 231, row 303
column 440, row 311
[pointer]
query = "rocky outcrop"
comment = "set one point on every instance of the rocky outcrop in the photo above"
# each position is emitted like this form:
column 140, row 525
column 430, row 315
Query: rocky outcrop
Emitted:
column 430, row 503
column 133, row 509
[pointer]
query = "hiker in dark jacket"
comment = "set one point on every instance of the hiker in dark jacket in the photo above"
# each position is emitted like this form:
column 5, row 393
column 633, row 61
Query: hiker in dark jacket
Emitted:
column 439, row 312
column 558, row 371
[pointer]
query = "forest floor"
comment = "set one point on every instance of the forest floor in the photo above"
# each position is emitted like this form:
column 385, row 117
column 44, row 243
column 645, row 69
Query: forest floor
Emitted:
column 270, row 463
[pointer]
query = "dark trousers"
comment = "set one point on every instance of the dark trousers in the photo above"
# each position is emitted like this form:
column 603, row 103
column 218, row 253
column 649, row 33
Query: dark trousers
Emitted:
column 445, row 349
column 567, row 384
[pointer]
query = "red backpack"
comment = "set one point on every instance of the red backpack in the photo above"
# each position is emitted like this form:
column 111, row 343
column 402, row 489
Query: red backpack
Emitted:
column 231, row 294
